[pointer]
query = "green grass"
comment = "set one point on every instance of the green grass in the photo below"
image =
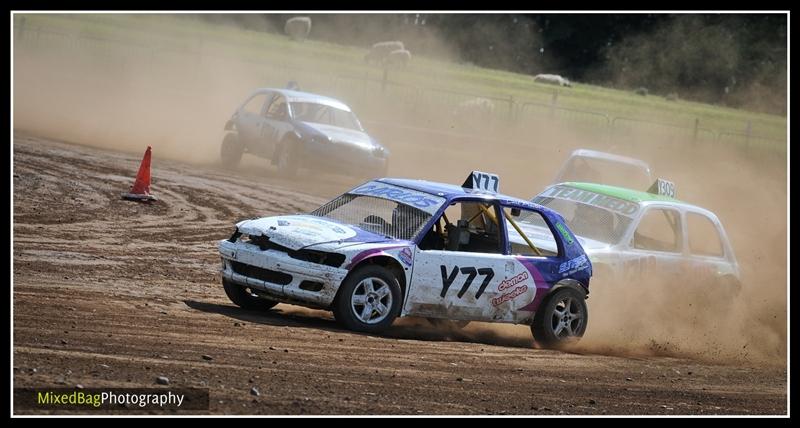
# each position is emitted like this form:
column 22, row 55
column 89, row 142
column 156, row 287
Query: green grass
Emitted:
column 185, row 34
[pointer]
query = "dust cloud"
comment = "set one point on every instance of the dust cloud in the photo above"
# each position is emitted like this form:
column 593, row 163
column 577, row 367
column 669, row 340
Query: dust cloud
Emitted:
column 128, row 102
column 748, row 194
column 178, row 103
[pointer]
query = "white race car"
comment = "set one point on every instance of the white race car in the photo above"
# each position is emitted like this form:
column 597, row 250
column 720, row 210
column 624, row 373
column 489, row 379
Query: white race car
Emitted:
column 398, row 247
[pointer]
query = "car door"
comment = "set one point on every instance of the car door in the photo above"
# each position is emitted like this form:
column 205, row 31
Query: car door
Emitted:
column 658, row 244
column 460, row 280
column 707, row 249
column 533, row 245
column 248, row 120
column 273, row 124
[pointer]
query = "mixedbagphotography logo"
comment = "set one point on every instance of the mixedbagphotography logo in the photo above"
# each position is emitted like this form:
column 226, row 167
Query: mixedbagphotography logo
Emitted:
column 110, row 399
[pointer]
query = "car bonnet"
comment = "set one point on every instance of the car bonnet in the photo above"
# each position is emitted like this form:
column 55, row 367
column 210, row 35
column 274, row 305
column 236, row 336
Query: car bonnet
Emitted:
column 299, row 231
column 342, row 135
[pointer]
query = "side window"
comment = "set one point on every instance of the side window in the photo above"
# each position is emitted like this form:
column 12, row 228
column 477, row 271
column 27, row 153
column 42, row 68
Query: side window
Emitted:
column 278, row 109
column 255, row 104
column 704, row 237
column 529, row 234
column 467, row 227
column 659, row 230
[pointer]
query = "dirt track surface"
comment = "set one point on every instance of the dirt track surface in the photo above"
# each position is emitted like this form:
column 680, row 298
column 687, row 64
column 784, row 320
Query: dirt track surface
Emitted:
column 109, row 293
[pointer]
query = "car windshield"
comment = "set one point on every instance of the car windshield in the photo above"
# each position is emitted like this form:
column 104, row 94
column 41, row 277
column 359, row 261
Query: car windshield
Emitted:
column 326, row 115
column 588, row 221
column 382, row 208
column 377, row 215
column 604, row 171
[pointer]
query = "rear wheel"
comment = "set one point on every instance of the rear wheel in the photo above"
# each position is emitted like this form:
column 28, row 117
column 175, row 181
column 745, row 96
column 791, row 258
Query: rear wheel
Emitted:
column 562, row 318
column 369, row 300
column 243, row 298
column 231, row 150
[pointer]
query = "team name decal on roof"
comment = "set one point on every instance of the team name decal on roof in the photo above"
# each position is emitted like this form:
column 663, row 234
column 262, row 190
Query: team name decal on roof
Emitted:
column 482, row 181
column 423, row 201
column 590, row 198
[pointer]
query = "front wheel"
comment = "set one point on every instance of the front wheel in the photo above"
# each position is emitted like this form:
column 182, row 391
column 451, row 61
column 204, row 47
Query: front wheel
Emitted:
column 369, row 300
column 562, row 318
column 288, row 159
column 244, row 298
column 231, row 150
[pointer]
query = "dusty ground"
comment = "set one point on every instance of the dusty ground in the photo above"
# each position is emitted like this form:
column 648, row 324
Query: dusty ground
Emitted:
column 114, row 293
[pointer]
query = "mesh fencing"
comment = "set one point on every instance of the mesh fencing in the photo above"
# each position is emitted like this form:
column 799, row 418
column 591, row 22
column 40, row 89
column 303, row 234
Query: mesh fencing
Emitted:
column 376, row 215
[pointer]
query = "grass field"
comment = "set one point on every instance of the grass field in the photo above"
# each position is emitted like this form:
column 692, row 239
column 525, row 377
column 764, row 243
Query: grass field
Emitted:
column 183, row 34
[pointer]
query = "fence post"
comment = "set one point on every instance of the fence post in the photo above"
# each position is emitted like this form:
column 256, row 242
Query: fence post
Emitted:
column 696, row 126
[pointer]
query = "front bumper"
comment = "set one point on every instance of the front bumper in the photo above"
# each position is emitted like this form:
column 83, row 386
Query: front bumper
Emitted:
column 345, row 157
column 273, row 260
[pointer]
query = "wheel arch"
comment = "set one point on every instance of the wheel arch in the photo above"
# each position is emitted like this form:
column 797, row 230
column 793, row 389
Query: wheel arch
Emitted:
column 386, row 261
column 568, row 283
column 289, row 139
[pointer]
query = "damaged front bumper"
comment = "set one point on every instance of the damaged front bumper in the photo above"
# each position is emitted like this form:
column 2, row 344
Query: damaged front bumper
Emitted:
column 280, row 276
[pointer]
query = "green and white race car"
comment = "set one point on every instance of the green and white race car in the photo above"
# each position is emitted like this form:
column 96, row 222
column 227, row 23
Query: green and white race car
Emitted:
column 630, row 234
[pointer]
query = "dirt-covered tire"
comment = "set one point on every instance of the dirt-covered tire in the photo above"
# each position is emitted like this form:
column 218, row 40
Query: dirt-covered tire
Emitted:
column 369, row 300
column 561, row 319
column 244, row 299
column 231, row 150
column 288, row 158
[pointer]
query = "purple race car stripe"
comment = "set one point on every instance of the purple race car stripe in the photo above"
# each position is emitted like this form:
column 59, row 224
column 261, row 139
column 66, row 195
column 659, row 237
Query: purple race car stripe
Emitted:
column 541, row 285
column 368, row 253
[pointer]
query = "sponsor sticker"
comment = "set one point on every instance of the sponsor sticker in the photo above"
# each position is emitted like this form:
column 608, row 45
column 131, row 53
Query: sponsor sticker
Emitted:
column 405, row 256
column 510, row 295
column 514, row 280
column 515, row 287
column 565, row 233
column 573, row 265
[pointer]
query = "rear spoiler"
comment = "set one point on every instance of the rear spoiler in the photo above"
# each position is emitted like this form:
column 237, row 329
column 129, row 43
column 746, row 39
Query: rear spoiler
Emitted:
column 662, row 187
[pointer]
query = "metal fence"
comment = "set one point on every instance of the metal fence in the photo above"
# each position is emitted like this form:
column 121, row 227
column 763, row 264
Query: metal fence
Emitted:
column 693, row 133
column 425, row 105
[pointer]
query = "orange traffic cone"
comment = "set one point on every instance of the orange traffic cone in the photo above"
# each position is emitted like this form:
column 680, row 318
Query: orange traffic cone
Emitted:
column 141, row 187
